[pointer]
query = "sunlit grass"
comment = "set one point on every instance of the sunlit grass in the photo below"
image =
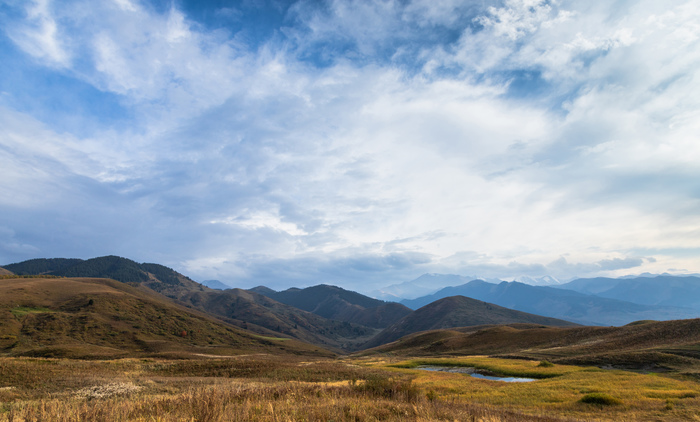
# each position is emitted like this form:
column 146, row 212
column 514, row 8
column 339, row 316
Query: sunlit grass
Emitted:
column 560, row 389
column 269, row 388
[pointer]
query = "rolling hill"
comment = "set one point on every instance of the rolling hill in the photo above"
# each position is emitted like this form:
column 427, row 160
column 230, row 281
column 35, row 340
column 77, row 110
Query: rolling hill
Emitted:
column 645, row 345
column 558, row 303
column 339, row 304
column 3, row 271
column 89, row 318
column 247, row 310
column 457, row 311
column 264, row 315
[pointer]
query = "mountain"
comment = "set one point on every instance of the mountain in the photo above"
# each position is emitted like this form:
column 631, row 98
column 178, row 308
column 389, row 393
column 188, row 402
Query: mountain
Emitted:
column 215, row 284
column 154, row 276
column 339, row 304
column 458, row 311
column 645, row 345
column 558, row 303
column 538, row 281
column 423, row 285
column 261, row 314
column 664, row 290
column 243, row 309
column 89, row 318
column 5, row 272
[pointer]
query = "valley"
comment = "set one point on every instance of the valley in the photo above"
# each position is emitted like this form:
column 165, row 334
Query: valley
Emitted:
column 109, row 339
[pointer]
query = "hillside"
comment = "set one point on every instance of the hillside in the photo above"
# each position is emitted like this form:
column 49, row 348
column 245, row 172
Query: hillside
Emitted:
column 243, row 309
column 558, row 303
column 656, row 291
column 3, row 271
column 649, row 345
column 339, row 304
column 154, row 276
column 458, row 311
column 261, row 314
column 89, row 318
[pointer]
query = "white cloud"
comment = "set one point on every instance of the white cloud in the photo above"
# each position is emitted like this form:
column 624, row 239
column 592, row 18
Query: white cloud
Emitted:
column 250, row 156
column 39, row 35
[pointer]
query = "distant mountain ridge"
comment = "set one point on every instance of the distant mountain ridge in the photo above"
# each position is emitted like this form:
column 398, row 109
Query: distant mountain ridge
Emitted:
column 660, row 290
column 558, row 303
column 336, row 303
column 458, row 311
column 216, row 284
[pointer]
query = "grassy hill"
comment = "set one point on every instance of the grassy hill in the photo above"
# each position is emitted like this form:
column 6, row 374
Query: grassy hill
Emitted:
column 647, row 345
column 339, row 304
column 559, row 303
column 3, row 271
column 82, row 317
column 264, row 315
column 243, row 309
column 458, row 311
column 154, row 276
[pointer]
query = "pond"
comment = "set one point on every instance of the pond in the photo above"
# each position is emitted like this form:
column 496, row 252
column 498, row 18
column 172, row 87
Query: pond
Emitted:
column 476, row 373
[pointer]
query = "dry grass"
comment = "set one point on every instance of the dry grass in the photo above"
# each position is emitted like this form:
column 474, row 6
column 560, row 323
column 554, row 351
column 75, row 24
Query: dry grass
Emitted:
column 261, row 388
column 278, row 388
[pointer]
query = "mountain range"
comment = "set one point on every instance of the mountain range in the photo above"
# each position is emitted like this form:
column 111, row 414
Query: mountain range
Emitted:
column 586, row 309
column 324, row 318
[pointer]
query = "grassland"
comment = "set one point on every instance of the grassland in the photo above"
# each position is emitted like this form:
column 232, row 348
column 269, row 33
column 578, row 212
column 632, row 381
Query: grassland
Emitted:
column 285, row 388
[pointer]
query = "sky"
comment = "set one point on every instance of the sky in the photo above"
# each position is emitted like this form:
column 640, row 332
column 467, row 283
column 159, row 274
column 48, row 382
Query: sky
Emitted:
column 355, row 143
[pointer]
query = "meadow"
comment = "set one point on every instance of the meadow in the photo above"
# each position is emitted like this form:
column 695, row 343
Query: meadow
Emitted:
column 287, row 388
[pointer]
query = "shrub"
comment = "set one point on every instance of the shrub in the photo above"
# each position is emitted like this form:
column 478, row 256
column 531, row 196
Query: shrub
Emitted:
column 390, row 388
column 545, row 364
column 601, row 399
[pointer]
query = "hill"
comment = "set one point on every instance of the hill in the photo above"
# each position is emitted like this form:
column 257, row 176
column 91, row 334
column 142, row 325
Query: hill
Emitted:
column 89, row 318
column 457, row 311
column 339, row 304
column 662, row 290
column 558, row 303
column 247, row 310
column 648, row 345
column 266, row 316
column 154, row 276
column 5, row 272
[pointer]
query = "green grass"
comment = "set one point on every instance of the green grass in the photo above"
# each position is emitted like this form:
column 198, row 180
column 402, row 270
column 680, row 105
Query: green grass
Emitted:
column 21, row 311
column 601, row 399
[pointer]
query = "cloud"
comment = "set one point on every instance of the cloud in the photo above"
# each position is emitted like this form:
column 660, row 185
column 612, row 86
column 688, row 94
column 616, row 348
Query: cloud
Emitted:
column 359, row 142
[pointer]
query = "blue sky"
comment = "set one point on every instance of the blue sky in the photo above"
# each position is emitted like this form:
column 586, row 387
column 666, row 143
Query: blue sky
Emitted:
column 356, row 143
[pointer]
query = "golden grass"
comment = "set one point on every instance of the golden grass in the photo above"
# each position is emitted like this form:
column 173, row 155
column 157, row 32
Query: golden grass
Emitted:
column 560, row 388
column 279, row 388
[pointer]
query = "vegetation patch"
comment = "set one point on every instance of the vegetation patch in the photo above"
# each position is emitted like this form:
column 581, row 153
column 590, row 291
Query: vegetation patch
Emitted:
column 600, row 399
column 21, row 311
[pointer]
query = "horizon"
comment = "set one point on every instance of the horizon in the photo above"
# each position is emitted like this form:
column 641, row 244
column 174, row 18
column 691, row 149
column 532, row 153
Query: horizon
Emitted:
column 359, row 144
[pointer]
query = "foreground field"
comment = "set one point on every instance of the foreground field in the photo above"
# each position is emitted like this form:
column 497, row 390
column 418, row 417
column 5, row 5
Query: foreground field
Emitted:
column 274, row 388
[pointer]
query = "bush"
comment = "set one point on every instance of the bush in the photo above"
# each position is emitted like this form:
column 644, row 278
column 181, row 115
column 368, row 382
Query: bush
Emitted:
column 390, row 388
column 601, row 399
column 545, row 364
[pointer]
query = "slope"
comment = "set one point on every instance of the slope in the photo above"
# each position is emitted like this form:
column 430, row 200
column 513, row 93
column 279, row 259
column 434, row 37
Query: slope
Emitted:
column 247, row 310
column 457, row 311
column 646, row 345
column 3, row 271
column 266, row 316
column 559, row 303
column 656, row 291
column 339, row 304
column 88, row 318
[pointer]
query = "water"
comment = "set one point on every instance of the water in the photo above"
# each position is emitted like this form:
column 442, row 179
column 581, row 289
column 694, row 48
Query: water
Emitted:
column 473, row 372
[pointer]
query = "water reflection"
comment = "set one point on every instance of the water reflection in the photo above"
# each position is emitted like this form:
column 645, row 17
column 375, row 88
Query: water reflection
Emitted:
column 474, row 373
